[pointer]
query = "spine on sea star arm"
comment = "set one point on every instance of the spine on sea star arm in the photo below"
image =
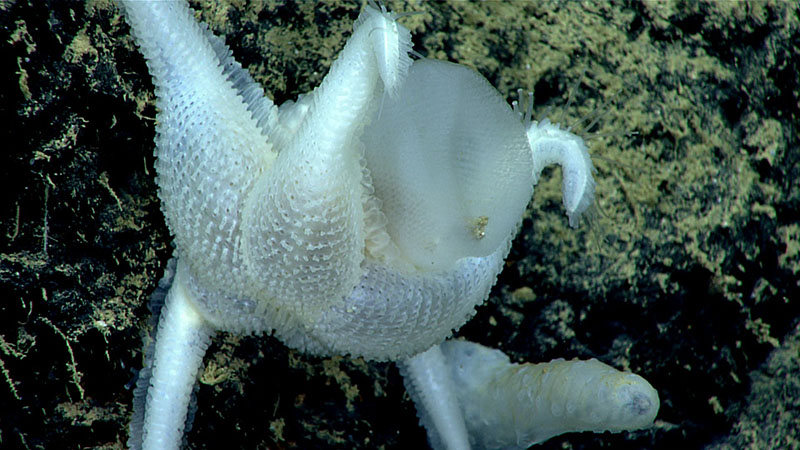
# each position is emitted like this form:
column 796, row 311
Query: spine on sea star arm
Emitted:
column 510, row 405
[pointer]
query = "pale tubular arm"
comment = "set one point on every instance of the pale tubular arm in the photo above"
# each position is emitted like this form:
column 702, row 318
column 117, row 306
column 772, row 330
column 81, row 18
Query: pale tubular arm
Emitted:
column 551, row 144
column 508, row 405
column 427, row 381
column 182, row 338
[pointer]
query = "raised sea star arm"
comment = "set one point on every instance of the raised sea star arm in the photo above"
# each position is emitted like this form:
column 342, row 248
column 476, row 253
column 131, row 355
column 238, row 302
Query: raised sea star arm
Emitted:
column 184, row 57
column 551, row 143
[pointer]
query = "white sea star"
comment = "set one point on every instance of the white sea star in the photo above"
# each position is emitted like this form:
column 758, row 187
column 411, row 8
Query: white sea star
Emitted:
column 368, row 218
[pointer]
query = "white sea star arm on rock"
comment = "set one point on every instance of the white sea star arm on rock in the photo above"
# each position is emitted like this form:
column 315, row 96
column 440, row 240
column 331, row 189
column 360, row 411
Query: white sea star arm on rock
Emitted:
column 427, row 380
column 182, row 338
column 508, row 405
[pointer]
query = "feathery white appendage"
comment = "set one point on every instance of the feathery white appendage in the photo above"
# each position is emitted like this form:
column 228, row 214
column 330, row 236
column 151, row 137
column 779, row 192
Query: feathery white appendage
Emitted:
column 181, row 341
column 427, row 380
column 378, row 49
column 391, row 43
column 510, row 405
column 551, row 144
column 374, row 60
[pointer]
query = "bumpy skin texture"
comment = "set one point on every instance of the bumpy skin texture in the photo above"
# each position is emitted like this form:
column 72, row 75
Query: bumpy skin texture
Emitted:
column 279, row 225
column 277, row 237
column 360, row 220
column 508, row 405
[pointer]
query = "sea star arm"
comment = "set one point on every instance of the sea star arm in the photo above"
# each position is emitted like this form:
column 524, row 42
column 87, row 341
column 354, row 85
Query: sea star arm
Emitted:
column 427, row 379
column 508, row 405
column 201, row 92
column 181, row 340
column 211, row 136
column 551, row 143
